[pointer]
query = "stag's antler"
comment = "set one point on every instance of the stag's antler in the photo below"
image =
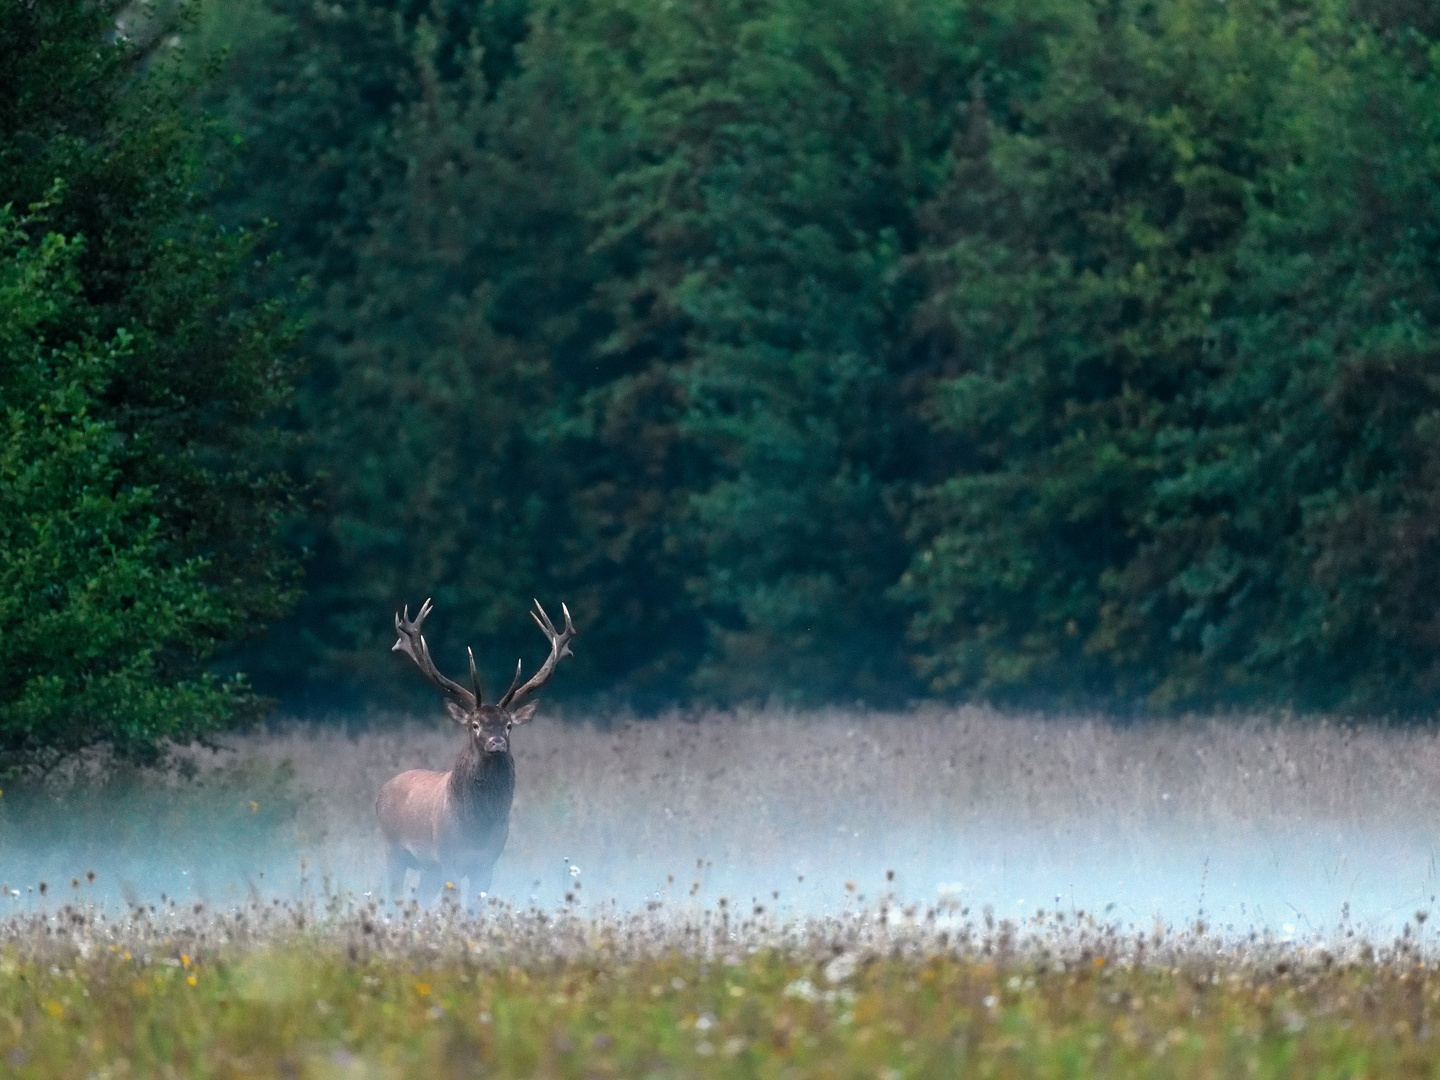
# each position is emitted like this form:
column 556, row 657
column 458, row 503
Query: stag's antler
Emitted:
column 412, row 644
column 559, row 648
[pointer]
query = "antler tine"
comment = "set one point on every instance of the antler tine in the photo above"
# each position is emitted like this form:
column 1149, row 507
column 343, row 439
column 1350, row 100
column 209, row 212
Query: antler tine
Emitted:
column 515, row 681
column 475, row 677
column 542, row 620
column 559, row 648
column 412, row 643
column 425, row 610
column 569, row 626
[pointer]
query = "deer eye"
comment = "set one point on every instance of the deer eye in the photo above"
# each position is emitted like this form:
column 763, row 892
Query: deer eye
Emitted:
column 508, row 725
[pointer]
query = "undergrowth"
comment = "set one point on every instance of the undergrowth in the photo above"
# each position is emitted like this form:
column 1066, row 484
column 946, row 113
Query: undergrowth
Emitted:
column 354, row 987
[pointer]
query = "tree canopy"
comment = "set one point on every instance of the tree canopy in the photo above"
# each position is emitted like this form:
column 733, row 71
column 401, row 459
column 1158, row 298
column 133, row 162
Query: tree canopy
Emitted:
column 1071, row 351
column 138, row 515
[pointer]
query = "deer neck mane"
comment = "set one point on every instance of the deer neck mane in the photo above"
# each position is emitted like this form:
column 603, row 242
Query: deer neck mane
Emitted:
column 482, row 785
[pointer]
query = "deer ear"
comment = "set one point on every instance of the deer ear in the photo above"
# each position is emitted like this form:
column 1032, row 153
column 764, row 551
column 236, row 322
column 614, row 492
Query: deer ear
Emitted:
column 457, row 714
column 525, row 713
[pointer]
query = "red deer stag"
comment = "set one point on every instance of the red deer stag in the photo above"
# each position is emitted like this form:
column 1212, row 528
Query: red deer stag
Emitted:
column 455, row 823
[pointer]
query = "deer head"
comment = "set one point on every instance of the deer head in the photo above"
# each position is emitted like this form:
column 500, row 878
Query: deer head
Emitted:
column 489, row 725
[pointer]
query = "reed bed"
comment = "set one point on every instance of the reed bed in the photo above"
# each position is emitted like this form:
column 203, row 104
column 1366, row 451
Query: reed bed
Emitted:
column 799, row 771
column 749, row 803
column 728, row 786
column 698, row 974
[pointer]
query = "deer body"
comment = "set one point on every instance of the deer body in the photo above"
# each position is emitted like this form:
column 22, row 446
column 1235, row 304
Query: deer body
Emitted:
column 453, row 825
column 448, row 825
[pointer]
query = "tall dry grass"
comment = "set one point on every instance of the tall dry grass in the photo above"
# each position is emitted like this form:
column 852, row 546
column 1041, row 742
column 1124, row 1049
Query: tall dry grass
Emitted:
column 854, row 791
column 1258, row 818
column 773, row 772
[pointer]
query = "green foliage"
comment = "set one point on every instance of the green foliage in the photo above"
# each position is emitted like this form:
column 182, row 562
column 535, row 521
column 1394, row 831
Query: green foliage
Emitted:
column 1078, row 253
column 437, row 220
column 1067, row 349
column 610, row 334
column 136, row 517
column 90, row 605
column 764, row 201
column 618, row 1002
column 1192, row 291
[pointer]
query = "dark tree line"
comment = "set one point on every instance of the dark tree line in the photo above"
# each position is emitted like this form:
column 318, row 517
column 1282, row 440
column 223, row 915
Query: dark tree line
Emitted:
column 1071, row 350
column 139, row 488
column 1080, row 350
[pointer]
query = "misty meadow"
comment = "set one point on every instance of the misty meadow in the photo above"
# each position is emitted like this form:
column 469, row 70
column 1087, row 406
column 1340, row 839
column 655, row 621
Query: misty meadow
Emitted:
column 980, row 457
column 736, row 894
column 1281, row 826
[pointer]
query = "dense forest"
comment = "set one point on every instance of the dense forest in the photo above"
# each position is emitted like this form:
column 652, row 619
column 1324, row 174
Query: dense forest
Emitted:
column 1068, row 351
column 141, row 490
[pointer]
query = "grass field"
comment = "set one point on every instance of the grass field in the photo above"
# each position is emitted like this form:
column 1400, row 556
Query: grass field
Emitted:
column 254, row 993
column 843, row 905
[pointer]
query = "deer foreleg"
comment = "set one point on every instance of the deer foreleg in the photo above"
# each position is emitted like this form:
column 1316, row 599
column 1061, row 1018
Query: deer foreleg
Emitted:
column 397, row 861
column 477, row 874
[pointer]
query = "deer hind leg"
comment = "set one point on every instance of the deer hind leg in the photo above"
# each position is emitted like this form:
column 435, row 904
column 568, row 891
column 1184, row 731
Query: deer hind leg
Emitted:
column 432, row 882
column 397, row 861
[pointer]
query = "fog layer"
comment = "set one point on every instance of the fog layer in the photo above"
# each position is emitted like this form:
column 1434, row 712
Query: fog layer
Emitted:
column 1283, row 826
